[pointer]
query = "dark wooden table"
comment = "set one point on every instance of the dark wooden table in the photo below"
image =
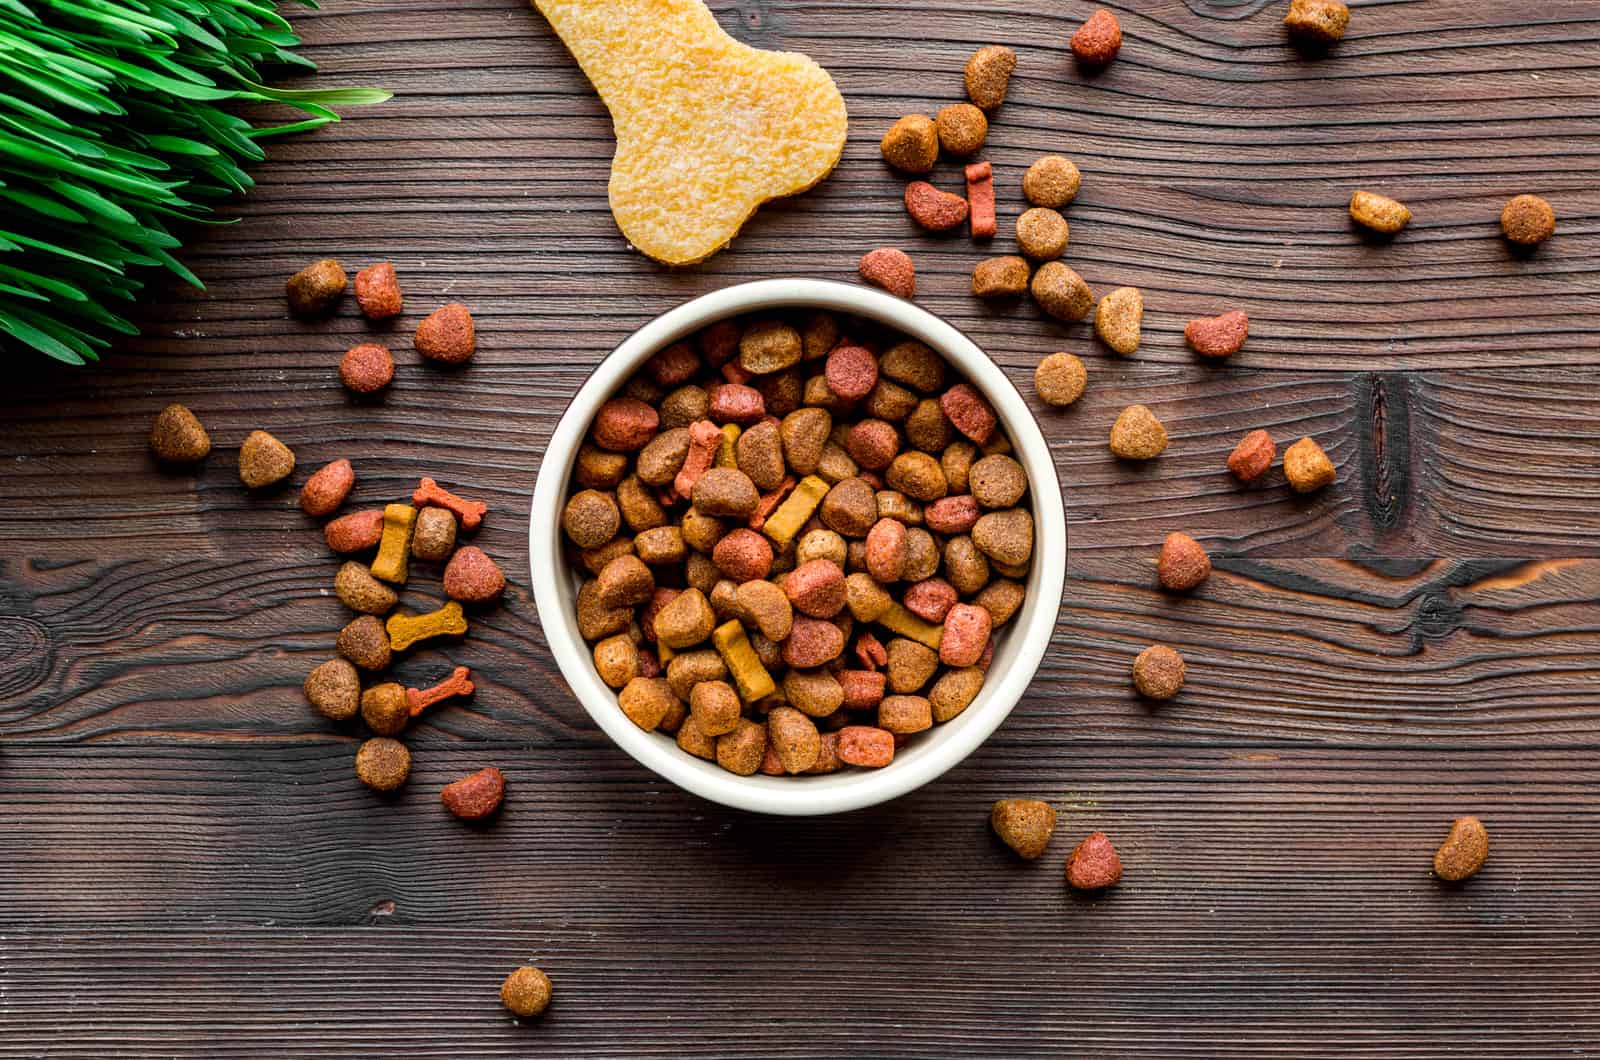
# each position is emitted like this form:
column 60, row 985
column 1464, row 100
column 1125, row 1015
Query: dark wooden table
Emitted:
column 188, row 868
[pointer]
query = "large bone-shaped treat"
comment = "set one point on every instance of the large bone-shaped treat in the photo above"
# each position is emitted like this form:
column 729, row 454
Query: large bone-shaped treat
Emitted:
column 707, row 128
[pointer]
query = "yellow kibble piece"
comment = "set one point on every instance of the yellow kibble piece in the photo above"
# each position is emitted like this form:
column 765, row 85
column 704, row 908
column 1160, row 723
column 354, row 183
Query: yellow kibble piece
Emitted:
column 749, row 676
column 406, row 630
column 898, row 620
column 399, row 523
column 726, row 454
column 783, row 524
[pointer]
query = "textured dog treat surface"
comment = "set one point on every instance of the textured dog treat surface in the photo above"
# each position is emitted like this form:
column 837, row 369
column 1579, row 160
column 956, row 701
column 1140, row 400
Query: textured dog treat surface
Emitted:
column 355, row 532
column 315, row 289
column 526, row 992
column 1098, row 40
column 980, row 199
column 1158, row 672
column 1042, row 233
column 1051, row 181
column 1528, row 220
column 1024, row 825
column 1002, row 277
column 358, row 590
column 1219, row 336
column 988, row 73
column 383, row 764
column 472, row 577
column 334, row 688
column 935, row 210
column 327, row 488
column 1378, row 212
column 891, row 270
column 434, row 536
column 1319, row 22
column 177, row 437
column 475, row 797
column 1252, row 457
column 1307, row 467
column 1183, row 564
column 912, row 144
column 1061, row 292
column 1093, row 864
column 962, row 128
column 1463, row 851
column 378, row 292
column 1059, row 379
column 394, row 547
column 1138, row 435
column 707, row 128
column 264, row 461
column 366, row 367
column 407, row 630
column 384, row 709
column 1117, row 319
column 447, row 335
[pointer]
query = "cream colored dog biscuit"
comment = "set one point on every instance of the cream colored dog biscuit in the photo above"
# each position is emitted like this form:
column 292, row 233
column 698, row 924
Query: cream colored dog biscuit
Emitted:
column 707, row 128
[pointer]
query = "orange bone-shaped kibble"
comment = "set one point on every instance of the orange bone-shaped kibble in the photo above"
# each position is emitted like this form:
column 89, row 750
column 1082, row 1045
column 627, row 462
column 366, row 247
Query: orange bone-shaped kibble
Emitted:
column 459, row 683
column 469, row 512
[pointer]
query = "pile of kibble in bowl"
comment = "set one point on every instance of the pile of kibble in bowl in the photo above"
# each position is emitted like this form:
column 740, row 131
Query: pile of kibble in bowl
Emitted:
column 796, row 537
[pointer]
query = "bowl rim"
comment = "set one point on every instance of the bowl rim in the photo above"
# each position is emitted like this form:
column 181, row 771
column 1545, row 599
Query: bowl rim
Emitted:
column 830, row 793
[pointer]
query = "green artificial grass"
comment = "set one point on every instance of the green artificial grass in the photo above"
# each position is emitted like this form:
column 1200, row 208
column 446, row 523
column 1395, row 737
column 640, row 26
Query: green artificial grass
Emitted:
column 114, row 127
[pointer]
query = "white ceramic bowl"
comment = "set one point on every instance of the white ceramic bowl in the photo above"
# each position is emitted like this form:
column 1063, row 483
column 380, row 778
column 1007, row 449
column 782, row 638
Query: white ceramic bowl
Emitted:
column 1018, row 647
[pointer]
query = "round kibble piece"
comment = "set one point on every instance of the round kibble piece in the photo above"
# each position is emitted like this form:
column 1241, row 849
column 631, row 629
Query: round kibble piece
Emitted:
column 383, row 764
column 366, row 367
column 1001, row 599
column 918, row 476
column 646, row 701
column 850, row 507
column 816, row 588
column 177, row 437
column 715, row 707
column 616, row 660
column 1463, row 852
column 385, row 708
column 1005, row 537
column 365, row 642
column 954, row 692
column 378, row 292
column 334, row 688
column 1138, row 435
column 1051, row 182
column 264, row 461
column 962, row 128
column 597, row 469
column 1158, row 672
column 325, row 490
column 915, row 365
column 1317, row 22
column 625, row 425
column 447, row 335
column 1061, row 292
column 1042, row 233
column 358, row 590
column 1059, row 379
column 912, row 144
column 526, row 992
column 591, row 518
column 1183, row 564
column 997, row 481
column 1378, row 212
column 434, row 536
column 1528, row 220
column 1002, row 277
column 684, row 406
column 1024, row 825
column 988, row 73
column 904, row 714
column 472, row 577
column 315, row 289
column 1117, row 319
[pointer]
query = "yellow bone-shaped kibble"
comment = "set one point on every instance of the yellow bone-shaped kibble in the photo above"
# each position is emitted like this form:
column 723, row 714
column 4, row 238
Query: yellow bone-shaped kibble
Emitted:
column 707, row 128
column 725, row 449
column 898, row 620
column 406, row 630
column 792, row 514
column 749, row 676
column 399, row 523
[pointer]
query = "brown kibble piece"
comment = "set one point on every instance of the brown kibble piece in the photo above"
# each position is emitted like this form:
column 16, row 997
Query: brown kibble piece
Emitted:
column 795, row 738
column 1463, row 852
column 1158, row 672
column 1307, row 467
column 526, row 992
column 1378, row 212
column 472, row 577
column 715, row 707
column 597, row 469
column 769, row 346
column 903, row 715
column 913, row 364
column 1042, row 233
column 740, row 752
column 1061, row 292
column 1002, row 277
column 616, row 660
column 447, row 335
column 962, row 128
column 1117, row 319
column 177, row 436
column 1138, row 435
column 325, row 490
column 366, row 367
column 591, row 519
column 954, row 692
column 383, row 764
column 1052, row 182
column 355, row 532
column 891, row 270
column 1024, row 825
column 358, row 590
column 1318, row 22
column 646, row 701
column 1093, row 864
column 912, row 144
column 474, row 797
column 1098, row 40
column 988, row 74
column 315, row 289
column 334, row 688
column 935, row 210
column 1220, row 336
column 866, row 745
column 263, row 460
column 997, row 481
column 384, row 708
column 1528, row 220
column 378, row 292
column 1183, row 564
column 1059, row 379
column 434, row 537
column 1252, row 457
column 725, row 491
column 685, row 622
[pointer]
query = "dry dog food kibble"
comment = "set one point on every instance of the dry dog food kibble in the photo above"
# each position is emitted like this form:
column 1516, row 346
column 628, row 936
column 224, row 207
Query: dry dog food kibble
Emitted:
column 1042, row 234
column 1307, row 467
column 334, row 688
column 1138, row 435
column 358, row 590
column 1117, row 319
column 1158, row 672
column 962, row 128
column 935, row 210
column 891, row 270
column 1093, row 864
column 1379, row 213
column 1098, row 40
column 1183, row 564
column 980, row 198
column 1463, row 851
column 315, row 289
column 472, row 577
column 177, row 437
column 1061, row 292
column 988, row 73
column 355, row 532
column 1051, row 182
column 526, row 992
column 385, row 709
column 1059, row 379
column 378, row 292
column 830, row 566
column 325, row 490
column 264, row 461
column 912, row 144
column 1024, row 825
column 407, row 630
column 367, row 367
column 459, row 683
column 434, row 536
column 1002, row 277
column 383, row 764
column 394, row 547
column 1319, row 22
column 1528, row 220
column 472, row 798
column 447, row 335
column 1218, row 336
column 1252, row 457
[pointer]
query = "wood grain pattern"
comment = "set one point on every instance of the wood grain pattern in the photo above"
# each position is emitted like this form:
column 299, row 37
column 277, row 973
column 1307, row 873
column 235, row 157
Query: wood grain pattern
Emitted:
column 190, row 870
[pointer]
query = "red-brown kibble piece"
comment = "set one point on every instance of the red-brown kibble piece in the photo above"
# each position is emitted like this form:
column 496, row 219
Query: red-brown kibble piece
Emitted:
column 851, row 372
column 1183, row 564
column 886, row 550
column 966, row 631
column 1252, row 457
column 1220, row 336
column 891, row 270
column 970, row 413
column 863, row 689
column 673, row 366
column 475, row 797
column 366, row 368
column 447, row 335
column 930, row 599
column 1093, row 864
column 980, row 199
column 816, row 588
column 812, row 642
column 355, row 532
column 1159, row 672
column 624, row 425
column 736, row 403
column 472, row 577
column 951, row 515
column 935, row 210
column 866, row 745
column 873, row 444
column 378, row 292
column 326, row 490
column 743, row 555
column 1463, row 851
column 1098, row 40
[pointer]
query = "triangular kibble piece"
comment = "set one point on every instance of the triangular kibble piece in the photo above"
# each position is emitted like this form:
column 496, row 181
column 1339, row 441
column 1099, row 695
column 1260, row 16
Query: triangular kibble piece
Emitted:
column 707, row 128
